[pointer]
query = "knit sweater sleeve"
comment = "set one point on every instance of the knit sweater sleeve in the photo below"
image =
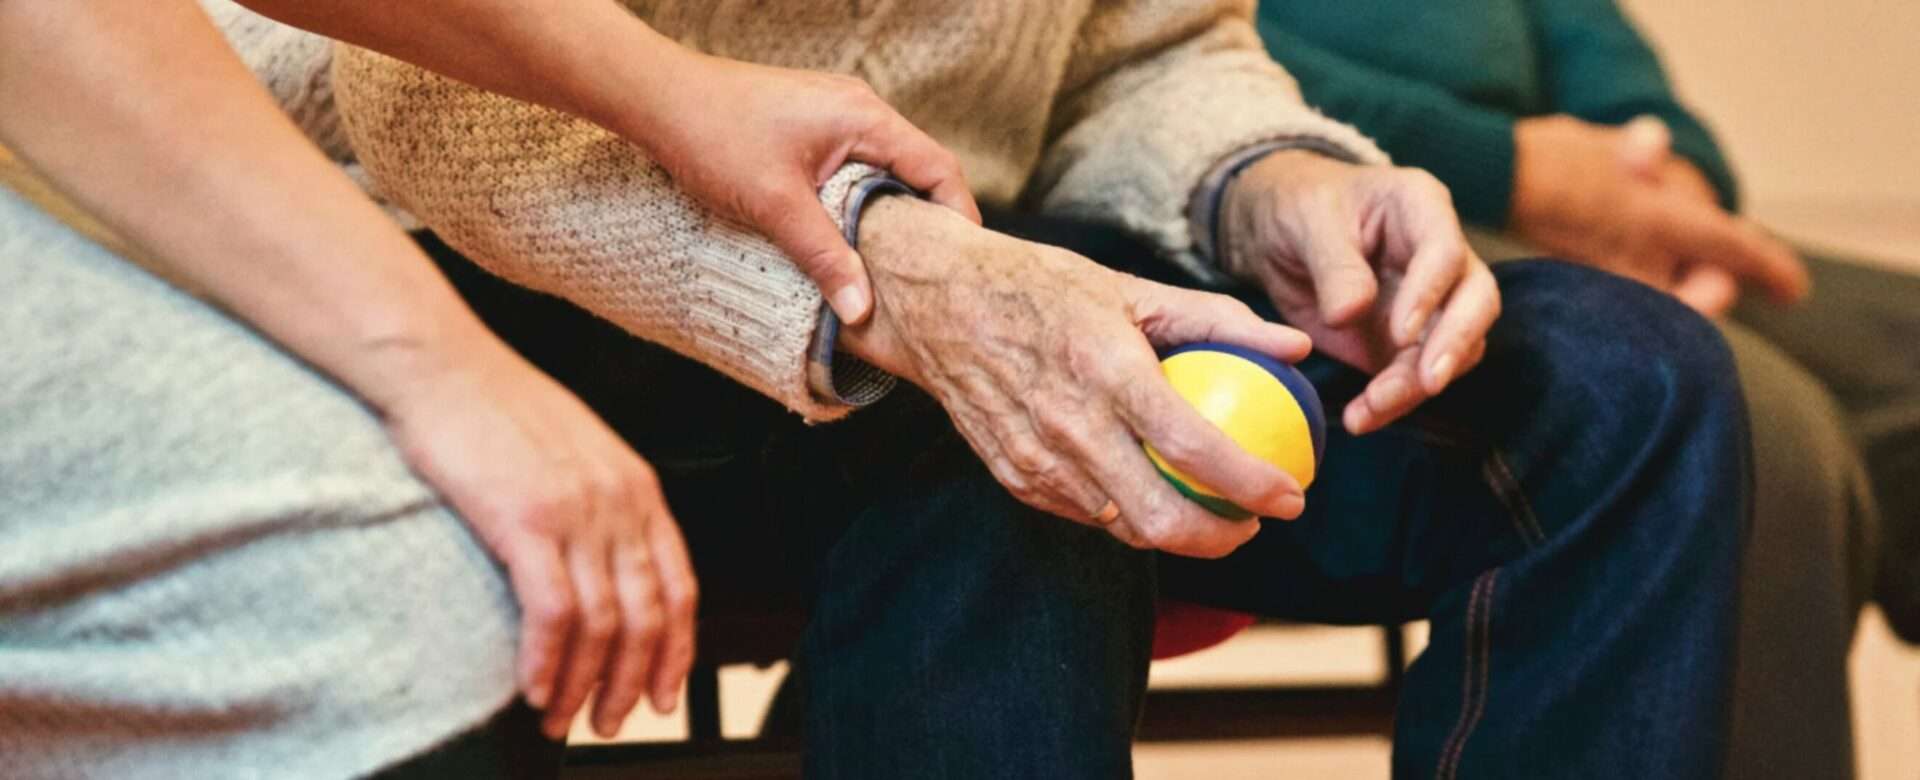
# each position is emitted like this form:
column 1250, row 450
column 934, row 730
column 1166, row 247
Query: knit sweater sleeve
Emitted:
column 1157, row 96
column 558, row 204
column 1599, row 68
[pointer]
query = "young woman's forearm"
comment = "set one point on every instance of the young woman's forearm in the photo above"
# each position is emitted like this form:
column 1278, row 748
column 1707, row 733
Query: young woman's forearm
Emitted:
column 139, row 112
column 591, row 58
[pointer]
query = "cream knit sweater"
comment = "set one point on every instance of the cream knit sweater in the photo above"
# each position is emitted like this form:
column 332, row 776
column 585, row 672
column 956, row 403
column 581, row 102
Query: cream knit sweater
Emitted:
column 1113, row 111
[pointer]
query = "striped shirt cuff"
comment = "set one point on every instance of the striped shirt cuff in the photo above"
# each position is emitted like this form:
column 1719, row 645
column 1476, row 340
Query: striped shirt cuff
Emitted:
column 1203, row 211
column 832, row 375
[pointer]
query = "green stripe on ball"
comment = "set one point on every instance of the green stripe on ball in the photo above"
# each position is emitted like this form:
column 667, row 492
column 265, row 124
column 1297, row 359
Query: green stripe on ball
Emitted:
column 1214, row 504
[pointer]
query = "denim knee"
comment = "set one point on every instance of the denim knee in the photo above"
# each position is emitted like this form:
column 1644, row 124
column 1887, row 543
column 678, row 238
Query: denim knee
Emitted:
column 1620, row 380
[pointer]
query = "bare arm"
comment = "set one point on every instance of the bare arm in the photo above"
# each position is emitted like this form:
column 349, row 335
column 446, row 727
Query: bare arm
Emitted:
column 119, row 101
column 139, row 112
column 591, row 58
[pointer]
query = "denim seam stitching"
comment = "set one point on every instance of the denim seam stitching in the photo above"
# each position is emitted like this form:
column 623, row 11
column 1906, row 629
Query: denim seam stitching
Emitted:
column 1506, row 487
column 1479, row 630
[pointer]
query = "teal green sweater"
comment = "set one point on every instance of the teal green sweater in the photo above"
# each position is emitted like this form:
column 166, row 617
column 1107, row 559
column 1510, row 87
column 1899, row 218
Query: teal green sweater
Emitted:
column 1439, row 83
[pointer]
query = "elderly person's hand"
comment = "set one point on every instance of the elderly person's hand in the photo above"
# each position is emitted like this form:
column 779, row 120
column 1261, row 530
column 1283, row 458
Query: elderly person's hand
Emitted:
column 1046, row 363
column 1371, row 262
column 1616, row 199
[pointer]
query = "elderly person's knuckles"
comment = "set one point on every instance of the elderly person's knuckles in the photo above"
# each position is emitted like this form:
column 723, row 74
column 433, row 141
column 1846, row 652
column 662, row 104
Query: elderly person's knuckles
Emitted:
column 1421, row 183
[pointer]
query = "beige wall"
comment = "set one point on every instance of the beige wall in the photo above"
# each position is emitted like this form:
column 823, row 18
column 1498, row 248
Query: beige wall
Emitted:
column 1817, row 102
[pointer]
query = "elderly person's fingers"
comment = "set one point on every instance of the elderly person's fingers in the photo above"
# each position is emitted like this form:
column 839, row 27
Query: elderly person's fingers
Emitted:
column 1344, row 284
column 1164, row 315
column 1196, row 447
column 1431, row 277
column 1470, row 312
column 1392, row 393
column 1182, row 438
column 1420, row 242
column 1149, row 512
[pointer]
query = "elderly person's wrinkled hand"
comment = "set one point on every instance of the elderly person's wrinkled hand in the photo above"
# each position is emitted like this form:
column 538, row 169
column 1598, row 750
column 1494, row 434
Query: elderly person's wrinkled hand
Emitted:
column 1616, row 199
column 1371, row 262
column 1045, row 361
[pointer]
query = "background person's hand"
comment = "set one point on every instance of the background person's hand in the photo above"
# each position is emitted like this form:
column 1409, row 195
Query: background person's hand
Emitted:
column 1617, row 199
column 1371, row 262
column 606, row 590
column 1646, row 151
column 1046, row 363
column 754, row 143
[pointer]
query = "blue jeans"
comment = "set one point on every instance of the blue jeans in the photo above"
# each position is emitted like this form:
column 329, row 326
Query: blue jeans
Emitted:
column 1569, row 516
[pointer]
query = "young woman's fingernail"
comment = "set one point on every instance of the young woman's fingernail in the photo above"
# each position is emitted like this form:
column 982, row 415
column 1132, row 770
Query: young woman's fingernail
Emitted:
column 850, row 302
column 1441, row 372
column 537, row 697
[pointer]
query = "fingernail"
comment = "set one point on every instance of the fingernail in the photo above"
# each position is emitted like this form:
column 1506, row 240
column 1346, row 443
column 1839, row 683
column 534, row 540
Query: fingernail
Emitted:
column 1441, row 372
column 1291, row 505
column 537, row 697
column 850, row 302
column 607, row 728
column 1355, row 417
column 1390, row 392
column 1415, row 324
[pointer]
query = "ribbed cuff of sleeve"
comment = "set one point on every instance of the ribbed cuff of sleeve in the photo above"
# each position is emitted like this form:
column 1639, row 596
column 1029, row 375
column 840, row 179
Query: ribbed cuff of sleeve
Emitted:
column 1204, row 209
column 832, row 375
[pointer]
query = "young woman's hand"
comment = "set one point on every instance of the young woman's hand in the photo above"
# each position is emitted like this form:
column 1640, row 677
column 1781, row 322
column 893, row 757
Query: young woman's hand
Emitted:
column 606, row 590
column 755, row 143
column 139, row 112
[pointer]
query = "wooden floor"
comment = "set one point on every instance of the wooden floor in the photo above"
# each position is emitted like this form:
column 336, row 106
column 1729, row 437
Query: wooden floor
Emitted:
column 1886, row 678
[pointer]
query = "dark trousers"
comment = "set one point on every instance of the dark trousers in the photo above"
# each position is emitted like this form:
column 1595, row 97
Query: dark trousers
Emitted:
column 1569, row 516
column 1860, row 339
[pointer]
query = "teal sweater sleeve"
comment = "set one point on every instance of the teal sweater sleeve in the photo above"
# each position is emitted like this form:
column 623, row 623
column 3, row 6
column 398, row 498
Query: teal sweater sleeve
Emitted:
column 1468, row 147
column 1599, row 68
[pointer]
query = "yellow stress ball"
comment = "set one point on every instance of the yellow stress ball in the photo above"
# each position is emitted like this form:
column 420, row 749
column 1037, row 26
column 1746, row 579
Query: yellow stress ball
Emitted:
column 1266, row 406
